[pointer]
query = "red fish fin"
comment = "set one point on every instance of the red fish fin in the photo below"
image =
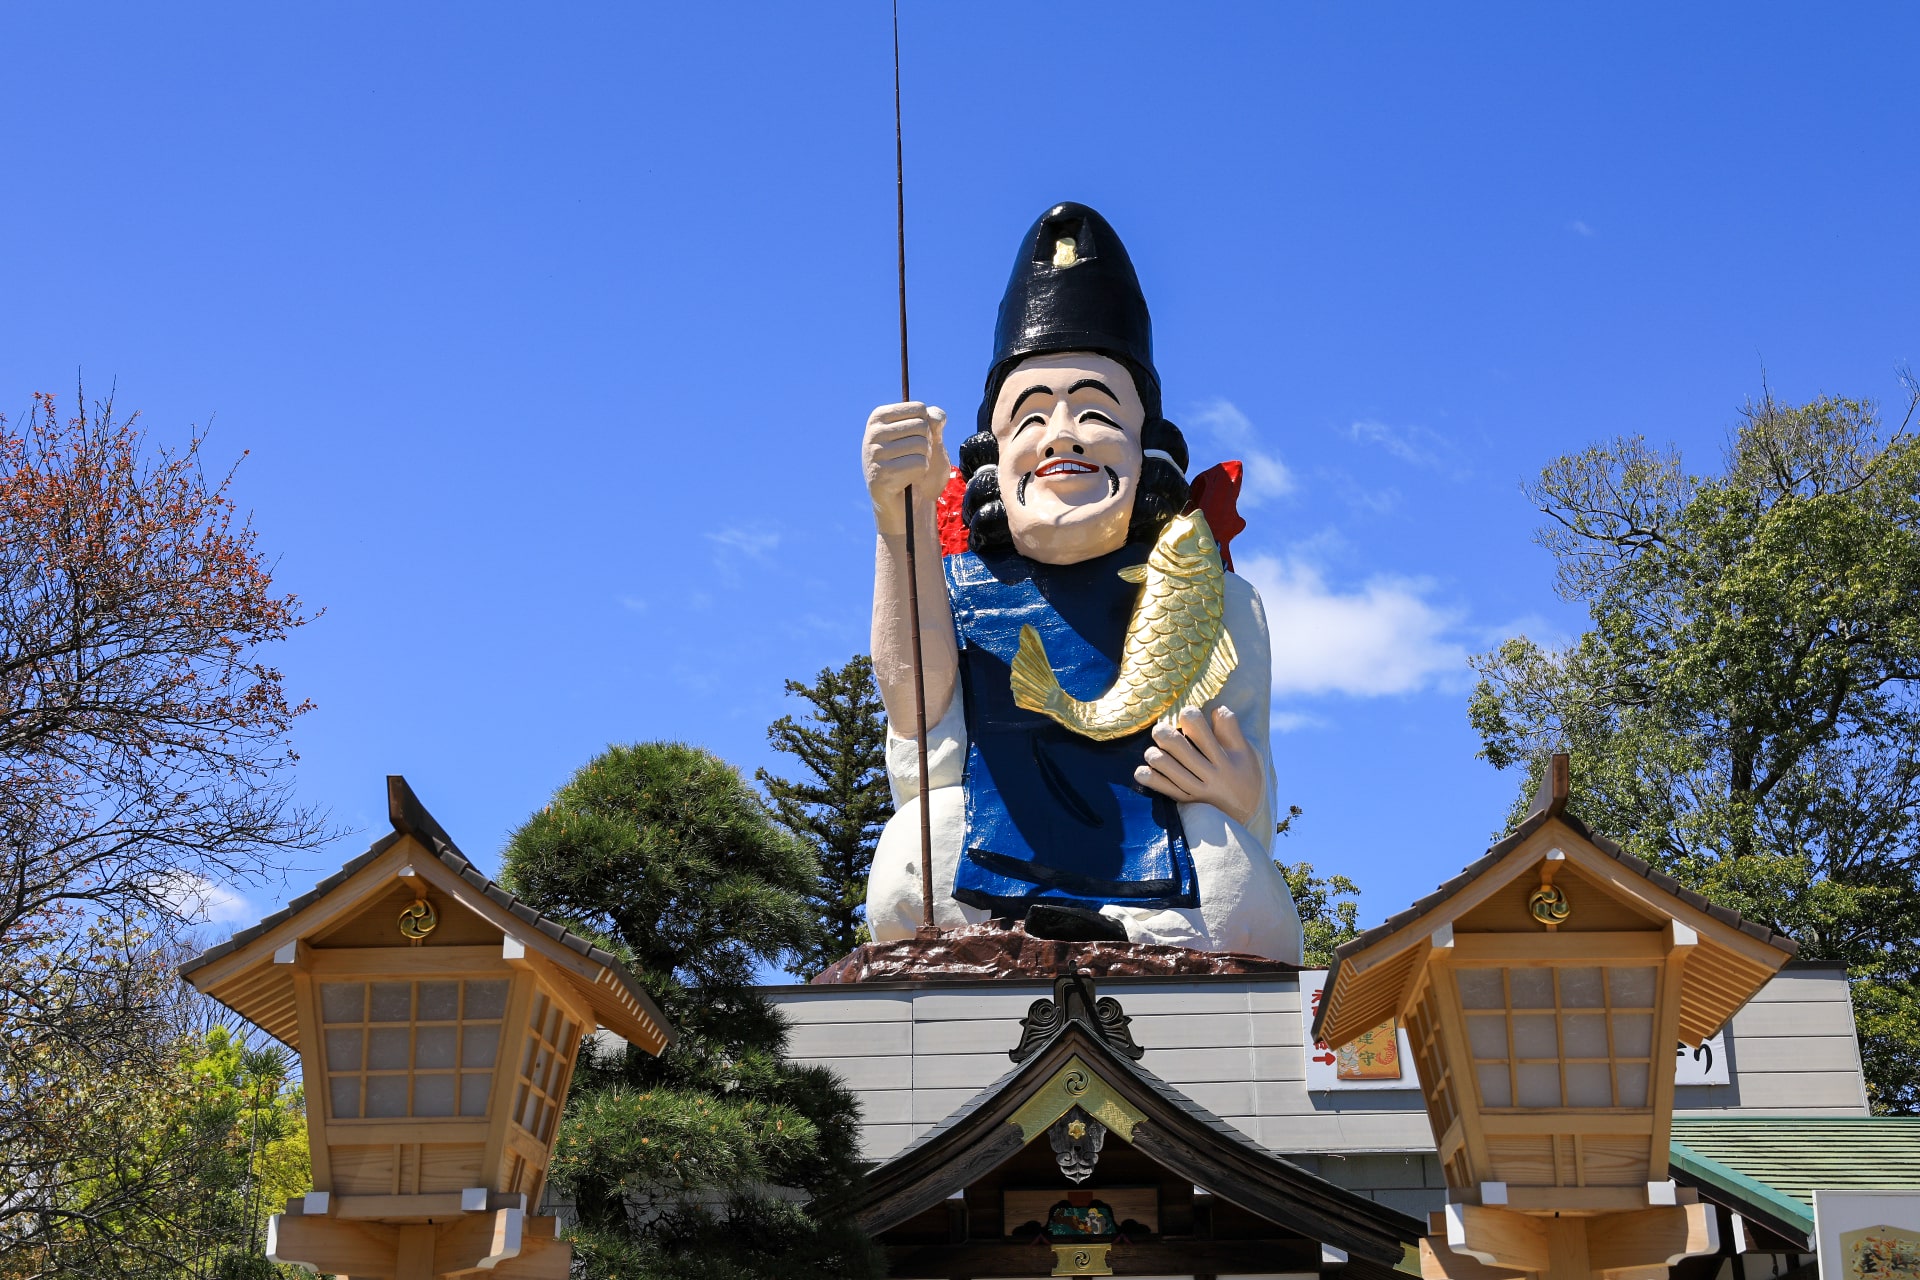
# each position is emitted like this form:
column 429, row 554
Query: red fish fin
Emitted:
column 1215, row 493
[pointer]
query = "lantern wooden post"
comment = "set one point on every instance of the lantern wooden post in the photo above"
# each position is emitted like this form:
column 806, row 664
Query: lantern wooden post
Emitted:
column 1544, row 991
column 437, row 1019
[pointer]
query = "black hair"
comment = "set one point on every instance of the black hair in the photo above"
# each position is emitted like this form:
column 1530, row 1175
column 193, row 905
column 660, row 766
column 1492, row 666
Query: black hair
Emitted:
column 1163, row 491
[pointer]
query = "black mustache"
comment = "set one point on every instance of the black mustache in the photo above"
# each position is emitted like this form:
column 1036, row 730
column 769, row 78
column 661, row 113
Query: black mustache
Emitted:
column 1020, row 491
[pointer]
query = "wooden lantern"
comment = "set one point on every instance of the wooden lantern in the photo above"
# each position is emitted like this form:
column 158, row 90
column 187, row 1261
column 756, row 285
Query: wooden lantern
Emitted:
column 437, row 1019
column 1544, row 992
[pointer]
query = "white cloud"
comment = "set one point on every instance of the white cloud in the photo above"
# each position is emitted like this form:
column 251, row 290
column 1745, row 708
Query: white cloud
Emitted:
column 1415, row 446
column 1579, row 228
column 1372, row 502
column 1385, row 638
column 1266, row 475
column 750, row 542
column 633, row 604
column 206, row 902
column 1293, row 721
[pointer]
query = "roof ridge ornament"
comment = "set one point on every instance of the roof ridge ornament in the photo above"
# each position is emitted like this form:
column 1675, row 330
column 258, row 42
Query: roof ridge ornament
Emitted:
column 1074, row 1000
column 1556, row 782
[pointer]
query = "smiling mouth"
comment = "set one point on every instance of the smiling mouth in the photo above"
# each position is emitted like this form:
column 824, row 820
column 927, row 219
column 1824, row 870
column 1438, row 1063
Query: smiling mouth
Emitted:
column 1066, row 467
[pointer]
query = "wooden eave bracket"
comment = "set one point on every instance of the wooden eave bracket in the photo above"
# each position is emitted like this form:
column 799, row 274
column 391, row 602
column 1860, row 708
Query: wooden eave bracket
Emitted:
column 499, row 1242
column 1658, row 1236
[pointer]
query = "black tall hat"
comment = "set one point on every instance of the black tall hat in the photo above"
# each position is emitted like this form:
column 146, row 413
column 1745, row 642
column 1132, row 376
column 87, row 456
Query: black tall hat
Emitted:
column 1072, row 289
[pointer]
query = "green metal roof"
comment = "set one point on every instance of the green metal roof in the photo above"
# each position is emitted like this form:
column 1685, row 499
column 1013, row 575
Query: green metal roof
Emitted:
column 1777, row 1161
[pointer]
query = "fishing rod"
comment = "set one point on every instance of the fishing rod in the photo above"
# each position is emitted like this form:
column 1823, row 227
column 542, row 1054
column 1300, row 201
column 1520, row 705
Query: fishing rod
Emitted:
column 913, row 567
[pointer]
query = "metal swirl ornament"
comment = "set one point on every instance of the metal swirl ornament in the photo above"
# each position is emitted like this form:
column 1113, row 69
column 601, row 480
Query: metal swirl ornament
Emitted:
column 1075, row 1082
column 417, row 920
column 1549, row 904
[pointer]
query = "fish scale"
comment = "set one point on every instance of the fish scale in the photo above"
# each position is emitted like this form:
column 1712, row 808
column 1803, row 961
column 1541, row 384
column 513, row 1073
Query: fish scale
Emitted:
column 1177, row 653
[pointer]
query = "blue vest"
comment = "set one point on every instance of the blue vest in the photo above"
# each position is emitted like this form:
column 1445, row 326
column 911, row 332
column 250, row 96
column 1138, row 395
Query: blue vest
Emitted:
column 1053, row 816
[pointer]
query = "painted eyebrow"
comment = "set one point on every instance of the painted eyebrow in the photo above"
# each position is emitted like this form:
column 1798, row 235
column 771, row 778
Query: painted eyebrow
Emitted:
column 1096, row 385
column 1030, row 391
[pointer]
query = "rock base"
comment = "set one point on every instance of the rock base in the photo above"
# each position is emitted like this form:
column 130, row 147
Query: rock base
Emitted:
column 1002, row 950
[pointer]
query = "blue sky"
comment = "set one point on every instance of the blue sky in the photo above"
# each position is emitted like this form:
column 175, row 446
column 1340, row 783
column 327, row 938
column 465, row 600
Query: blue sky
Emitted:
column 551, row 329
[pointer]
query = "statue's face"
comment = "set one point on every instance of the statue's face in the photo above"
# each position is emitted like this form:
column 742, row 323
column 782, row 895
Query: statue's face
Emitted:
column 1069, row 432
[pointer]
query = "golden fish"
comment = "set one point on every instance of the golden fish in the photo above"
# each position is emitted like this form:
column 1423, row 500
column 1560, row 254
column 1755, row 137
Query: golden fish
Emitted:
column 1177, row 654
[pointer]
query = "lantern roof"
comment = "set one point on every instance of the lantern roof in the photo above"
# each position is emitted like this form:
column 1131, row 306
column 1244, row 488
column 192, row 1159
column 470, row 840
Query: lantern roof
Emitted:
column 252, row 972
column 1366, row 981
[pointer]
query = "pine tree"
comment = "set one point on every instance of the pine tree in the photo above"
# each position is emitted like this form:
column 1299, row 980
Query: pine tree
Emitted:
column 843, row 744
column 700, row 1164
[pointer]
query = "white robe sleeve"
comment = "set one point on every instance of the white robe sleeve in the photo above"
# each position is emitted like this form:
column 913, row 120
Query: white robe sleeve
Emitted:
column 893, row 885
column 946, row 754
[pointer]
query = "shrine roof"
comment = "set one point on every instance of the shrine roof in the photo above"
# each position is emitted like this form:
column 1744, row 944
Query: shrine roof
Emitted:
column 1774, row 1163
column 1171, row 1095
column 1171, row 1129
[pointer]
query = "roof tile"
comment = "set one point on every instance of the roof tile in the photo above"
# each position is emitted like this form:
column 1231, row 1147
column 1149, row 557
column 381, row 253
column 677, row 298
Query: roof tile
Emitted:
column 1793, row 1154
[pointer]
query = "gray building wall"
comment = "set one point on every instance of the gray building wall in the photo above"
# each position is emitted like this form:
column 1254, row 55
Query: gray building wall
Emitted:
column 915, row 1052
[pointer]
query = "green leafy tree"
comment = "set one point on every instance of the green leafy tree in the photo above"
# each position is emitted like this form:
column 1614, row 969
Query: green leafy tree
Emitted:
column 843, row 746
column 157, row 1149
column 251, row 1118
column 1329, row 914
column 1743, row 712
column 703, row 1163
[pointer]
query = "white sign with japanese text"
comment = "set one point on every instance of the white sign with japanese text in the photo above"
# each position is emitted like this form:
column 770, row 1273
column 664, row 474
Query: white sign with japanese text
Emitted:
column 1705, row 1065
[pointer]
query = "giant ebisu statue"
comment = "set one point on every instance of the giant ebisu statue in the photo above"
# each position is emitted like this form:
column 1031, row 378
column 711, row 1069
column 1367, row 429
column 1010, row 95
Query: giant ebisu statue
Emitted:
column 1097, row 682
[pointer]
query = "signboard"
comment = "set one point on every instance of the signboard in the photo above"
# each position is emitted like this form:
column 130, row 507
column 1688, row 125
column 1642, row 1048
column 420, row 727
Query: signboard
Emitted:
column 1379, row 1059
column 1867, row 1235
column 1705, row 1065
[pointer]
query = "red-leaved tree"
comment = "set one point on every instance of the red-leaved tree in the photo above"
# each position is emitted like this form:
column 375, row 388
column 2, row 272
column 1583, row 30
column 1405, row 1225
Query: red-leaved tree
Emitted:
column 143, row 741
column 143, row 764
